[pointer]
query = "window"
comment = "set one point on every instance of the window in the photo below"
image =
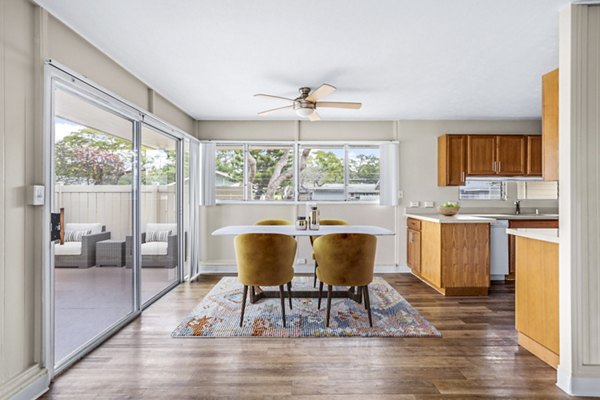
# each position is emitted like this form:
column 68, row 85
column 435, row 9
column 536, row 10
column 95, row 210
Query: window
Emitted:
column 264, row 172
column 537, row 190
column 271, row 172
column 229, row 179
column 482, row 190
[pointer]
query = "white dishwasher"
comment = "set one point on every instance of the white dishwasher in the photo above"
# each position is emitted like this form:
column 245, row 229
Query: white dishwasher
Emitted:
column 498, row 250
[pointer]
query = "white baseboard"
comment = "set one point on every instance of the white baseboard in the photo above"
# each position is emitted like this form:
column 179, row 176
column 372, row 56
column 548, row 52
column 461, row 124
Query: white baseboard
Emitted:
column 29, row 384
column 578, row 385
column 218, row 268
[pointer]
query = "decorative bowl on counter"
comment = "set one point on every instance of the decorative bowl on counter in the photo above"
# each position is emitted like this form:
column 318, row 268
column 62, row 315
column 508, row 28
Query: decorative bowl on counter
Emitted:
column 449, row 209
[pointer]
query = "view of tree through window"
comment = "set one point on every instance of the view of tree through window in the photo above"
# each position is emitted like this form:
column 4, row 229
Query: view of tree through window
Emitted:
column 324, row 172
column 86, row 156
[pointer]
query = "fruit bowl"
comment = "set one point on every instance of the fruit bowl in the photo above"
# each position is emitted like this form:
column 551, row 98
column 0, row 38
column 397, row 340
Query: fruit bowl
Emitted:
column 448, row 210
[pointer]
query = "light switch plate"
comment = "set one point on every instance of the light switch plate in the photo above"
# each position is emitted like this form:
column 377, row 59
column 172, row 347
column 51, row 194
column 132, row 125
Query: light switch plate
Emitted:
column 414, row 204
column 36, row 195
column 428, row 204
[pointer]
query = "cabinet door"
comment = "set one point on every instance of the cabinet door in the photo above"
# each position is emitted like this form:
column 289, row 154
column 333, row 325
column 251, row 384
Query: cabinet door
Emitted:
column 511, row 153
column 550, row 125
column 414, row 250
column 452, row 160
column 481, row 155
column 534, row 155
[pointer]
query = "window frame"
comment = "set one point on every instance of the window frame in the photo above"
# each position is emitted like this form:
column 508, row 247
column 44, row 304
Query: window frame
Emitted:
column 297, row 144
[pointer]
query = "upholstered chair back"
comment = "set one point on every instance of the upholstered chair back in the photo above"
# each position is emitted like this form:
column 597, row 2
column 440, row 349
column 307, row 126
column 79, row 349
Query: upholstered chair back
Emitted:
column 273, row 222
column 265, row 259
column 345, row 259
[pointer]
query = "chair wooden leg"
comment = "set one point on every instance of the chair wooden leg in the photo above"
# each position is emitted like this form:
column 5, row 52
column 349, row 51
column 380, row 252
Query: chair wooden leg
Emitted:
column 368, row 305
column 289, row 286
column 315, row 278
column 243, row 304
column 282, row 297
column 320, row 295
column 329, row 292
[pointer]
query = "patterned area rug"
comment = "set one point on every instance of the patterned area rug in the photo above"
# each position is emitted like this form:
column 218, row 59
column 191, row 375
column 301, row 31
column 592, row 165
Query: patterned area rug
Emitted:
column 218, row 315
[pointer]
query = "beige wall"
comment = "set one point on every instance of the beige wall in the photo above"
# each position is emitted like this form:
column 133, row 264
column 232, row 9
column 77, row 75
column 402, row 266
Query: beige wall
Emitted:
column 28, row 36
column 418, row 177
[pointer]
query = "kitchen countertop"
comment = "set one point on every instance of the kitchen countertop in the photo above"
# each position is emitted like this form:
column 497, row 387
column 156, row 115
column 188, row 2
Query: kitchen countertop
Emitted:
column 456, row 219
column 517, row 217
column 546, row 235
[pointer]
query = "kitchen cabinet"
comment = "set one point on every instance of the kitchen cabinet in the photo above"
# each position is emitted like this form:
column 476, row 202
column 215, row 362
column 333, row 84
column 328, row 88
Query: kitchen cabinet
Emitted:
column 536, row 299
column 462, row 156
column 452, row 160
column 550, row 126
column 534, row 155
column 453, row 258
column 511, row 153
column 524, row 223
column 413, row 245
column 481, row 155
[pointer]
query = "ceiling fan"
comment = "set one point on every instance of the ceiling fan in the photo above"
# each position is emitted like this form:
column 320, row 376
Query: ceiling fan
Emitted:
column 307, row 103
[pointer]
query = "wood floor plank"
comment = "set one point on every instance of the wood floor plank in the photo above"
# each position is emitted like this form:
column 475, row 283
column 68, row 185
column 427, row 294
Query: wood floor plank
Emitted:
column 476, row 358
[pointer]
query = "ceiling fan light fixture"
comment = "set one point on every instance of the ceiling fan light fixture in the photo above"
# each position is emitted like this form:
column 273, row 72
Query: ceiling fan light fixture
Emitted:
column 304, row 112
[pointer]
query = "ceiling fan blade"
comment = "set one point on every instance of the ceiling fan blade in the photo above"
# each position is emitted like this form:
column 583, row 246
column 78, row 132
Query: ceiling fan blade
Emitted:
column 269, row 96
column 314, row 116
column 320, row 92
column 339, row 104
column 275, row 109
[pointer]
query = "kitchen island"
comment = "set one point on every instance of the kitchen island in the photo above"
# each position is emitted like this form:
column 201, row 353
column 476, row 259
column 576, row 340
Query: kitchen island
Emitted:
column 450, row 254
column 536, row 299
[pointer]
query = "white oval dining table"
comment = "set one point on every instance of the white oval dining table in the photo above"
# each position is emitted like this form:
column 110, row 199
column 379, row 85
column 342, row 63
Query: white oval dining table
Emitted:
column 258, row 293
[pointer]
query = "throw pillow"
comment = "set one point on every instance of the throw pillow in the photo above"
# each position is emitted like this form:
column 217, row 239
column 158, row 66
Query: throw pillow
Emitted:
column 157, row 236
column 76, row 236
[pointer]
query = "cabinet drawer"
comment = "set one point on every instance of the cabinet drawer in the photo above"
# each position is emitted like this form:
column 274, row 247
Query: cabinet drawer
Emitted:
column 413, row 224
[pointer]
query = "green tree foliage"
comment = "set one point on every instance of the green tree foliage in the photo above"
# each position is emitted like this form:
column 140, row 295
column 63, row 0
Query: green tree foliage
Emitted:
column 322, row 167
column 91, row 157
column 364, row 168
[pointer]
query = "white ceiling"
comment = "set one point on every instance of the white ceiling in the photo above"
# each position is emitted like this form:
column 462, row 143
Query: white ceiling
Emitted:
column 419, row 59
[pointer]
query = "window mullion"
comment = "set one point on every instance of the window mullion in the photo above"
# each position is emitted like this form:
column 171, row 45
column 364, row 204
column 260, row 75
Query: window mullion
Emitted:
column 245, row 174
column 345, row 172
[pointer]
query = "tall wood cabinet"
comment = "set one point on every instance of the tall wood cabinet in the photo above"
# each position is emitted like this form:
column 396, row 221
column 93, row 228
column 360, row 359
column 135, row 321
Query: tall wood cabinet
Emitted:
column 550, row 125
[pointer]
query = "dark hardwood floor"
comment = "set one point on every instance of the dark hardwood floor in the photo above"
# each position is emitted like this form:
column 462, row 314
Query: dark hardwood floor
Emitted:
column 477, row 357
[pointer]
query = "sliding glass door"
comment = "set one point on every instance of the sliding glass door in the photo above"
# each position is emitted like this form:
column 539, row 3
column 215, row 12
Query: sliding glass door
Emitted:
column 160, row 202
column 116, row 179
column 93, row 168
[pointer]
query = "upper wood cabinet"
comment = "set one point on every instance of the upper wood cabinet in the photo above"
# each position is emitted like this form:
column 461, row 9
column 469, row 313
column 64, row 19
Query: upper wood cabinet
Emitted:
column 452, row 160
column 460, row 156
column 550, row 126
column 534, row 155
column 481, row 155
column 511, row 152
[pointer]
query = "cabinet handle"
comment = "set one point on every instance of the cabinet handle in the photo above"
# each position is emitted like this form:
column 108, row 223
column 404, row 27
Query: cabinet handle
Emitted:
column 462, row 176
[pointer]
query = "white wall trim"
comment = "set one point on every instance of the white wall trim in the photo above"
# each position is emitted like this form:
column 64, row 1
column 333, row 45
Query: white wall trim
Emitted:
column 30, row 384
column 227, row 268
column 578, row 385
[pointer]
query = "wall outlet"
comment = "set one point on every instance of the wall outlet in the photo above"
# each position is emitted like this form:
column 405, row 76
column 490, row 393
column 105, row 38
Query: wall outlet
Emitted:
column 400, row 194
column 428, row 204
column 414, row 204
column 301, row 261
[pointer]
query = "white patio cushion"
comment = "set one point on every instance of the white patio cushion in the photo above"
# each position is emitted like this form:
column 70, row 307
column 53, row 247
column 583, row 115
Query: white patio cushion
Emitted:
column 95, row 227
column 154, row 248
column 67, row 249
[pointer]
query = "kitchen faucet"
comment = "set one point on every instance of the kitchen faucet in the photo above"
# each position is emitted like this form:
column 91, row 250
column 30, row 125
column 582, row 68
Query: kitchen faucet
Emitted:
column 517, row 207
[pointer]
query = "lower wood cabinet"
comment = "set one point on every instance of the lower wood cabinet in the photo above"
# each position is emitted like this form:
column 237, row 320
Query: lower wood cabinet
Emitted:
column 536, row 301
column 454, row 259
column 524, row 223
column 413, row 244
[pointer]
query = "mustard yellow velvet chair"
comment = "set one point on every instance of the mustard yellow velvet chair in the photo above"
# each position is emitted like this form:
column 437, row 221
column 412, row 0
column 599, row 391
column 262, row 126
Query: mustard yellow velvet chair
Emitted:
column 312, row 239
column 345, row 260
column 265, row 260
column 273, row 222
